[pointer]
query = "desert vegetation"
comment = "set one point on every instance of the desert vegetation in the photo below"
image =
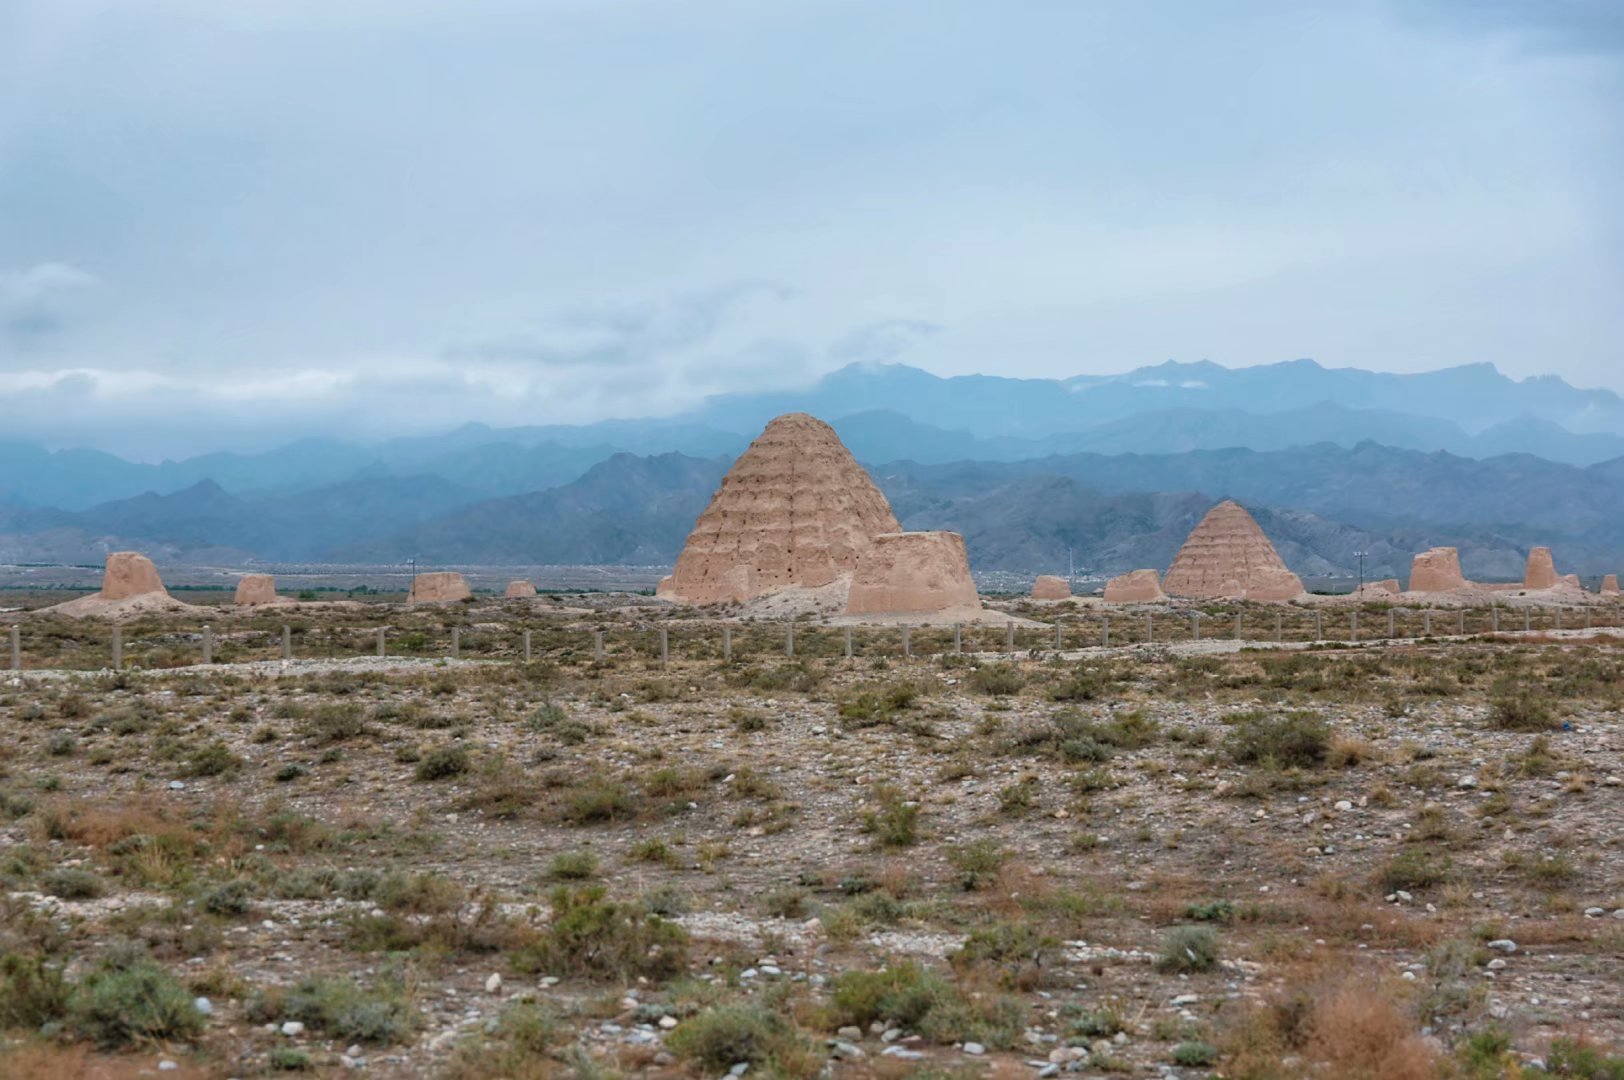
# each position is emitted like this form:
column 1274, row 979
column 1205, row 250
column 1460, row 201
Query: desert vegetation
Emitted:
column 1394, row 861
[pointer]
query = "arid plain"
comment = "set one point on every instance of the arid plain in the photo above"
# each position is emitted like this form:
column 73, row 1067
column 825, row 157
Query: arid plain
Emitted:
column 1395, row 859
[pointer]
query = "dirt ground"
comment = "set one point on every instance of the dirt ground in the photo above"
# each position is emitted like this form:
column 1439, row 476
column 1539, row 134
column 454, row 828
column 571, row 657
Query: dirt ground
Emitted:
column 1404, row 860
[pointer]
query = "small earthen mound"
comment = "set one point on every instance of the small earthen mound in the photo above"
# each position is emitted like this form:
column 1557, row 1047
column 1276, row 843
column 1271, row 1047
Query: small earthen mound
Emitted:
column 130, row 574
column 438, row 587
column 1609, row 585
column 130, row 588
column 1227, row 557
column 1541, row 571
column 1437, row 570
column 1135, row 587
column 1051, row 587
column 518, row 590
column 906, row 572
column 795, row 511
column 254, row 590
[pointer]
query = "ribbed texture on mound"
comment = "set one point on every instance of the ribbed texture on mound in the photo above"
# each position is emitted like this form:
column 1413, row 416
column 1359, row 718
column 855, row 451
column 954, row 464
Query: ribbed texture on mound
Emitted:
column 1051, row 587
column 128, row 574
column 255, row 589
column 1541, row 570
column 796, row 510
column 1135, row 587
column 915, row 572
column 1228, row 557
column 1437, row 570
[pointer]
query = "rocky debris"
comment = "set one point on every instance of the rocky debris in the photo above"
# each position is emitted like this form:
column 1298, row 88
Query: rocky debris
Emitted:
column 913, row 572
column 1437, row 570
column 1541, row 571
column 255, row 589
column 796, row 510
column 1609, row 585
column 519, row 590
column 1229, row 557
column 1135, row 587
column 1386, row 586
column 130, row 574
column 438, row 587
column 1051, row 587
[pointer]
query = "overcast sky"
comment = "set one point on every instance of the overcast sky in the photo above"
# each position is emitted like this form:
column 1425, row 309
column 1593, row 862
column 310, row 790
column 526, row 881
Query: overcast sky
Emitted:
column 222, row 223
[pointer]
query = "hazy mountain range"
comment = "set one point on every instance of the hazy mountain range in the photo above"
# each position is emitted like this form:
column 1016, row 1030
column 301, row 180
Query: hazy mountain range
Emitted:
column 1110, row 471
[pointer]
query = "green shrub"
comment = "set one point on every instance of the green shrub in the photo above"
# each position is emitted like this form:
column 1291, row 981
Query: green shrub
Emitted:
column 1212, row 911
column 996, row 680
column 1193, row 1054
column 1020, row 798
column 419, row 894
column 118, row 1005
column 720, row 1038
column 870, row 708
column 1570, row 1057
column 1521, row 712
column 232, row 898
column 599, row 800
column 1293, row 740
column 336, row 722
column 72, row 883
column 442, row 763
column 910, row 996
column 1084, row 684
column 378, row 1013
column 289, row 1059
column 591, row 935
column 1188, row 949
column 893, row 821
column 215, row 759
column 32, row 992
column 977, row 862
column 1018, row 952
column 1414, row 868
column 902, row 995
column 573, row 866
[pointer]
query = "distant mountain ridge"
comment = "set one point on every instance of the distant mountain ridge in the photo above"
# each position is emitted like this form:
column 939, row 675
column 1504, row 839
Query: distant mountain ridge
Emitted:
column 1108, row 512
column 1109, row 468
column 893, row 412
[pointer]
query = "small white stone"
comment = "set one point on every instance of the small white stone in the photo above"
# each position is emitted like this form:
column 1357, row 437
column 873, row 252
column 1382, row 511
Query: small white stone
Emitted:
column 166, row 1065
column 494, row 983
column 974, row 1049
column 204, row 1006
column 668, row 1022
column 293, row 1028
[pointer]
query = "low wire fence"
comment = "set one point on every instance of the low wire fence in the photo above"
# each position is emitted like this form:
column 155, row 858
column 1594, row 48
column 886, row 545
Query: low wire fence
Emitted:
column 159, row 644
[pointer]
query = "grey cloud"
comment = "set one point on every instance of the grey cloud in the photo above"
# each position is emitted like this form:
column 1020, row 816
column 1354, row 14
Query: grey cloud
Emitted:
column 1579, row 26
column 621, row 334
column 880, row 342
column 36, row 303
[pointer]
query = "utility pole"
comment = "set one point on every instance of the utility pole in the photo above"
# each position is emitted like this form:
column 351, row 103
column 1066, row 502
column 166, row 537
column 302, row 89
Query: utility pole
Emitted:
column 1360, row 555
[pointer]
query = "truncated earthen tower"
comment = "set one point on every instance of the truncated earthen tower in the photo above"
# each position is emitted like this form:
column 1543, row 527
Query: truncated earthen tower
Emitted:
column 795, row 510
column 1228, row 557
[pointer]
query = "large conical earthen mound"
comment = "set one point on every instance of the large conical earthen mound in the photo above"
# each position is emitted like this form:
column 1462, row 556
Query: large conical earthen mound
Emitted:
column 1228, row 557
column 796, row 510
